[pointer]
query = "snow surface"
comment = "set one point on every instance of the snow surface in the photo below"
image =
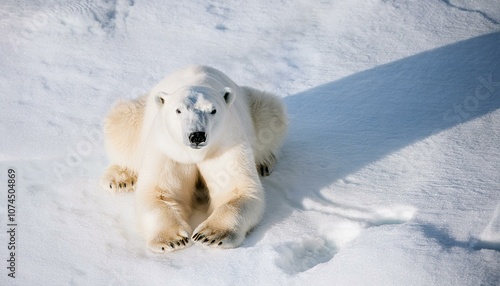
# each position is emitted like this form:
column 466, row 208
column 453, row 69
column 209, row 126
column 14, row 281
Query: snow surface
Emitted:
column 389, row 174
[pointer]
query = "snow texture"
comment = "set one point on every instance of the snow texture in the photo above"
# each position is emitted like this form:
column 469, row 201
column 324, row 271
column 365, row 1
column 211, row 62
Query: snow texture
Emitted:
column 389, row 174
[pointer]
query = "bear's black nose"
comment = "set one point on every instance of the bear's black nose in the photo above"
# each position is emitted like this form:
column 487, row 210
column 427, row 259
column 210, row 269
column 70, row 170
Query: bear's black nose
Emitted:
column 197, row 137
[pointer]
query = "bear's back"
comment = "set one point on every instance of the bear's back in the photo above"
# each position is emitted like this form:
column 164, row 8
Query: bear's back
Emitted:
column 197, row 75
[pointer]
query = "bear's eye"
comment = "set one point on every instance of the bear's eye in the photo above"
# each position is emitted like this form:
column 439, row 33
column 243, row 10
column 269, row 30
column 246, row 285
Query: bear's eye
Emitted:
column 178, row 111
column 213, row 111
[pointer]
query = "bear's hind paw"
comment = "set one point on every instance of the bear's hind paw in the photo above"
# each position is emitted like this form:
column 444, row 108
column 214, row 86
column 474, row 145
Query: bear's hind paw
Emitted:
column 117, row 179
column 265, row 168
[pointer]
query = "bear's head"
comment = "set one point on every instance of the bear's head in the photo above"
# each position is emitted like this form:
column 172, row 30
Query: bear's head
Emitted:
column 194, row 116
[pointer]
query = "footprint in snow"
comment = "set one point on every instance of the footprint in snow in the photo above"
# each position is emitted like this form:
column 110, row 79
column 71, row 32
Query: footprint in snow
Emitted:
column 299, row 256
column 302, row 255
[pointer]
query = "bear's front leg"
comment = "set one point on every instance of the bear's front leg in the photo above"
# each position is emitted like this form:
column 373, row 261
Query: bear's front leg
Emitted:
column 236, row 201
column 163, row 218
column 229, row 223
column 163, row 200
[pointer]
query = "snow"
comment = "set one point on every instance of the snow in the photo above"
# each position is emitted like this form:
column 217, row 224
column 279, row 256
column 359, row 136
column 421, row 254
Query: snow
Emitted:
column 389, row 174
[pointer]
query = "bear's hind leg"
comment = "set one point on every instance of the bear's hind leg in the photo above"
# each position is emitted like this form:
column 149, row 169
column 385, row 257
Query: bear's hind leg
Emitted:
column 118, row 179
column 270, row 125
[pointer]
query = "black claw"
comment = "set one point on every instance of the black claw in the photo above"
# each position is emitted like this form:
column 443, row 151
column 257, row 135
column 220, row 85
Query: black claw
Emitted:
column 163, row 249
column 183, row 243
column 172, row 245
column 124, row 185
column 267, row 170
column 110, row 186
column 120, row 185
column 261, row 170
column 195, row 236
column 212, row 242
column 186, row 239
column 178, row 243
column 132, row 182
column 205, row 240
column 219, row 243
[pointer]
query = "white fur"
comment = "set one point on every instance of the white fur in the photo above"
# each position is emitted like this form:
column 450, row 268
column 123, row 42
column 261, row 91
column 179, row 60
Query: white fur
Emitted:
column 149, row 140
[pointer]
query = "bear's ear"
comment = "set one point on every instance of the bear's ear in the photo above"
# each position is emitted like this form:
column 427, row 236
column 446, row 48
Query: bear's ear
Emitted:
column 228, row 95
column 160, row 98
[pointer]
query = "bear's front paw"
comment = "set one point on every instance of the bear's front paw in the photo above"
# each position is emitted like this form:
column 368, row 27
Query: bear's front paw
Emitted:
column 215, row 237
column 118, row 179
column 165, row 242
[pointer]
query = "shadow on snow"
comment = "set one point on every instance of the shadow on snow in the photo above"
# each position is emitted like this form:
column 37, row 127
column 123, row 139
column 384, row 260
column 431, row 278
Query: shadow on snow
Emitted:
column 339, row 127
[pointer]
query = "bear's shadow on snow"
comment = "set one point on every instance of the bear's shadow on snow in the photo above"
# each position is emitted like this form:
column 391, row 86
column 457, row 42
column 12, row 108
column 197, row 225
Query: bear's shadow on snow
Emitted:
column 443, row 237
column 339, row 127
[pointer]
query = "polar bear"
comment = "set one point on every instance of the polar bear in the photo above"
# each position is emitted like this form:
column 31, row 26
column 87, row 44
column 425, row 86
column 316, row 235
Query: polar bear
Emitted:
column 195, row 137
